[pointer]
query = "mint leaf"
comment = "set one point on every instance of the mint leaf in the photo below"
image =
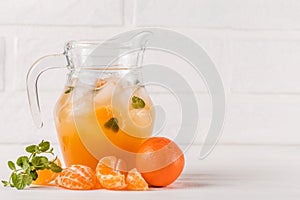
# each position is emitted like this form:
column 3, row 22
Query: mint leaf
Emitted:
column 113, row 124
column 115, row 127
column 137, row 102
column 71, row 88
column 11, row 165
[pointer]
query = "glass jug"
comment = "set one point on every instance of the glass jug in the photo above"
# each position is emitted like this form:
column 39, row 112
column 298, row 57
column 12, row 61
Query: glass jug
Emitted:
column 104, row 107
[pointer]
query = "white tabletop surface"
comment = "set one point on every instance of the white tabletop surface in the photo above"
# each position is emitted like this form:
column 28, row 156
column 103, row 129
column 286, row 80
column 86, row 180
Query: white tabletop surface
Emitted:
column 230, row 172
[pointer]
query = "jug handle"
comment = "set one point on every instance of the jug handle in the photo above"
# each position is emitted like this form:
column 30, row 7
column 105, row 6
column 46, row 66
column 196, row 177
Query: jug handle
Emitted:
column 33, row 75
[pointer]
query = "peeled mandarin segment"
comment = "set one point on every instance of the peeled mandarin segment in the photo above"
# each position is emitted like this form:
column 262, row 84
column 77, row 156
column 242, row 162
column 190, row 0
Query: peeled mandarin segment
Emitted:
column 109, row 164
column 135, row 181
column 109, row 173
column 46, row 176
column 106, row 165
column 120, row 166
column 98, row 185
column 112, row 181
column 77, row 177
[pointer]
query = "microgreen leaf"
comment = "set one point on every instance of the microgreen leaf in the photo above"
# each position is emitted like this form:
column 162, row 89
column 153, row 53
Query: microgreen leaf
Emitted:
column 40, row 162
column 27, row 179
column 28, row 166
column 21, row 180
column 14, row 177
column 137, row 102
column 31, row 148
column 55, row 168
column 44, row 146
column 51, row 151
column 22, row 161
column 11, row 165
column 5, row 183
column 34, row 174
column 113, row 124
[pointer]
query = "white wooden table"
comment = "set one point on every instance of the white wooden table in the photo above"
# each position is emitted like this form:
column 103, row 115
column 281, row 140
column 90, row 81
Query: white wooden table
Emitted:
column 231, row 172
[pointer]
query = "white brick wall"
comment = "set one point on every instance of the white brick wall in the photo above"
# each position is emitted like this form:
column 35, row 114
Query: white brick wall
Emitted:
column 254, row 43
column 234, row 14
column 264, row 65
column 62, row 13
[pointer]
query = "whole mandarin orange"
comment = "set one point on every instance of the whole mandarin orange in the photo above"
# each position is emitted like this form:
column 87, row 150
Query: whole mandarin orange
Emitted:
column 160, row 161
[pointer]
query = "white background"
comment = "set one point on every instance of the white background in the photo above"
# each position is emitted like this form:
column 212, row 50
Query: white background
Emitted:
column 254, row 43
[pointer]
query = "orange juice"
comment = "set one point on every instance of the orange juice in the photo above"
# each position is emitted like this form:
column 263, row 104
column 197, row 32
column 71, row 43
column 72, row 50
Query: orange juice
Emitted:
column 86, row 122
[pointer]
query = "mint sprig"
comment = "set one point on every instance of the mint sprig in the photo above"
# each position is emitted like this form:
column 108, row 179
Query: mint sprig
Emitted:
column 24, row 171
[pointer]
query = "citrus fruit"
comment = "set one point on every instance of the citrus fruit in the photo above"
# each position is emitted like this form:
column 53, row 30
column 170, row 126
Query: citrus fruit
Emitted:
column 135, row 181
column 160, row 161
column 110, row 172
column 98, row 185
column 46, row 176
column 77, row 177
